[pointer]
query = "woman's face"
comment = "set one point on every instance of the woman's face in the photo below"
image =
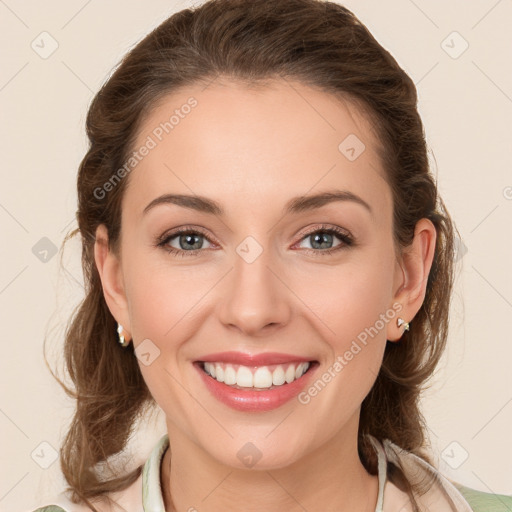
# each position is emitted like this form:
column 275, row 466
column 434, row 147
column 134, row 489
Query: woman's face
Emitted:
column 262, row 273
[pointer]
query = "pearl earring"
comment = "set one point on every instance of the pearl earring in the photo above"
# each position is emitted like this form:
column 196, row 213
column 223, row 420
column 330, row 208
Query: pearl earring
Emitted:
column 122, row 340
column 400, row 321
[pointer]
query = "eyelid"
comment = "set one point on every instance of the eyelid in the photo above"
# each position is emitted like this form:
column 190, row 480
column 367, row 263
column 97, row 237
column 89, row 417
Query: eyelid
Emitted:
column 325, row 227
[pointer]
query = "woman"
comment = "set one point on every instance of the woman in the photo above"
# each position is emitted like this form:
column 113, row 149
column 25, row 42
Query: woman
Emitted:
column 268, row 261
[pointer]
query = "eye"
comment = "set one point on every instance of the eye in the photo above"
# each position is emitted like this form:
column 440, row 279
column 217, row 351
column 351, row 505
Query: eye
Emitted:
column 322, row 238
column 183, row 241
column 188, row 241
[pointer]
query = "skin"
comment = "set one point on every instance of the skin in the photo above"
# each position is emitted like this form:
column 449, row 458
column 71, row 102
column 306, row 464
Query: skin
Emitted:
column 252, row 150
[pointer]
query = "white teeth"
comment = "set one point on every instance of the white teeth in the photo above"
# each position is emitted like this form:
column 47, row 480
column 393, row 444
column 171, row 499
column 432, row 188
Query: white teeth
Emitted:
column 219, row 373
column 278, row 377
column 209, row 369
column 262, row 378
column 300, row 370
column 230, row 376
column 290, row 374
column 244, row 377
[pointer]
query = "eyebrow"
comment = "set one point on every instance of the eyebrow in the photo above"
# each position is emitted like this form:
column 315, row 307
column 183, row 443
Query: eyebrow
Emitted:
column 294, row 206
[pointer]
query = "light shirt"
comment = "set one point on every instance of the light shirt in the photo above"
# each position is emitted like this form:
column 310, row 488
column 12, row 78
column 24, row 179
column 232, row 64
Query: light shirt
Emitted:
column 145, row 494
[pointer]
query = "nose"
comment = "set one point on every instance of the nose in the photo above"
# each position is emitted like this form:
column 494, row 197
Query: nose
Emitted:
column 255, row 297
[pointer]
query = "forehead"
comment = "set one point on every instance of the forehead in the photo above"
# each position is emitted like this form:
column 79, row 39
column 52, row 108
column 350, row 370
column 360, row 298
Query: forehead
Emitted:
column 255, row 147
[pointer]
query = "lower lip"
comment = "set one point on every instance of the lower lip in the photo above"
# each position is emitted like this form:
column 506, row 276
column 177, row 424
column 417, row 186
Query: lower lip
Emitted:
column 248, row 400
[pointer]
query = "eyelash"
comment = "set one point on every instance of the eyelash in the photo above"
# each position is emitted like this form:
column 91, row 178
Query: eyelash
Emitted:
column 162, row 241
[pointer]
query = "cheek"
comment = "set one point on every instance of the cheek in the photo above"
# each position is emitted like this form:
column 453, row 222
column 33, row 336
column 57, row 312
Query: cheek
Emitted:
column 161, row 302
column 161, row 297
column 348, row 299
column 352, row 308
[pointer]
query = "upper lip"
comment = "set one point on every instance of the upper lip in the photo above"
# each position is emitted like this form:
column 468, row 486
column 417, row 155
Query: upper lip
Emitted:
column 244, row 359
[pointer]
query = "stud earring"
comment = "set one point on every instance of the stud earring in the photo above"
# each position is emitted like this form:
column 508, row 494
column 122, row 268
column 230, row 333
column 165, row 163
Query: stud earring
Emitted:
column 122, row 340
column 400, row 321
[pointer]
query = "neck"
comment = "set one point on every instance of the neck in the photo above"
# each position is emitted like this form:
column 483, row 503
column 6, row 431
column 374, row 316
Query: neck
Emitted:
column 318, row 481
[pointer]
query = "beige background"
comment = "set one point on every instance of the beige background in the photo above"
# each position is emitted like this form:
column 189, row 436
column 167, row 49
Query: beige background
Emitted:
column 466, row 105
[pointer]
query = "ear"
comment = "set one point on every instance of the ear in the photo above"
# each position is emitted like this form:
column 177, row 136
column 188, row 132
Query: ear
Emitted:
column 110, row 271
column 411, row 275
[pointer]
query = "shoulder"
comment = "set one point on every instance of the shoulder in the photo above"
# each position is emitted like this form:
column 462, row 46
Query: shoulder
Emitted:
column 485, row 502
column 143, row 493
column 443, row 490
column 50, row 508
column 128, row 499
column 60, row 504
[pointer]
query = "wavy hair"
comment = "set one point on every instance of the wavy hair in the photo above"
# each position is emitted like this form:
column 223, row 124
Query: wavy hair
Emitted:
column 320, row 44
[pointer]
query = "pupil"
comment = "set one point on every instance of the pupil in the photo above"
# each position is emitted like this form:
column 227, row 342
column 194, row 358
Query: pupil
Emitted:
column 189, row 240
column 317, row 237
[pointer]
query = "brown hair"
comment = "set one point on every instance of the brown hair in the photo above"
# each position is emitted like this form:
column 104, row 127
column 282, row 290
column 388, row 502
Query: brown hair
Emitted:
column 320, row 44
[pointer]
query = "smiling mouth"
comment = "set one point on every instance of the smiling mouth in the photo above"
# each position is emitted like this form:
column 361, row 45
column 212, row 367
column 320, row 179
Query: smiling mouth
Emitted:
column 256, row 378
